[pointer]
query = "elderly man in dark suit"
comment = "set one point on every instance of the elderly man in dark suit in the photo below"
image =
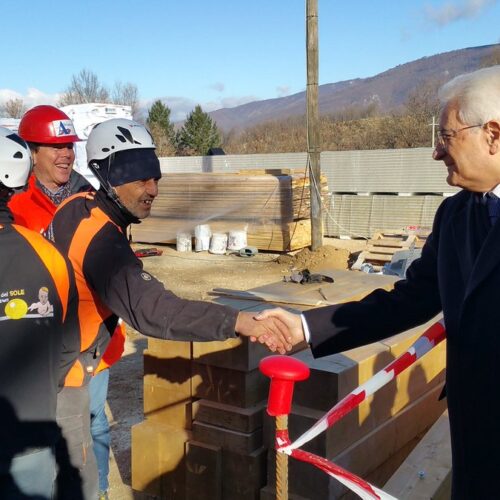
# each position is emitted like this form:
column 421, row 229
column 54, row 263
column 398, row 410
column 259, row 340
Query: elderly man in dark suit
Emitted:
column 459, row 274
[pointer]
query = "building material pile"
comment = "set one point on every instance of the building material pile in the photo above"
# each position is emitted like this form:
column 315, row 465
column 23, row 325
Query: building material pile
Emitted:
column 206, row 432
column 383, row 245
column 274, row 209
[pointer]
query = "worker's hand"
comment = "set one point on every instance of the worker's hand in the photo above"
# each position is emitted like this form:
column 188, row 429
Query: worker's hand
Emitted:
column 271, row 331
column 292, row 321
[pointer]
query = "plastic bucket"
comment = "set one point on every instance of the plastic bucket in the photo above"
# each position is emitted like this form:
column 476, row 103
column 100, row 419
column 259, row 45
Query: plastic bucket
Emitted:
column 218, row 243
column 184, row 242
column 202, row 235
column 237, row 240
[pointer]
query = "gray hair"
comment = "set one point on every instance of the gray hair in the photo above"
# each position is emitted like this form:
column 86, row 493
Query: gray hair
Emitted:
column 476, row 94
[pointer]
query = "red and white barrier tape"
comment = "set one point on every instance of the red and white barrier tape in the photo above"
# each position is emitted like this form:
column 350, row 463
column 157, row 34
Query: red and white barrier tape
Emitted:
column 430, row 338
column 362, row 488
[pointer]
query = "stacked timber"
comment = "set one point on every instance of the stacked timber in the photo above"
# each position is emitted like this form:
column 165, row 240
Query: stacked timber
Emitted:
column 202, row 436
column 373, row 440
column 273, row 209
column 206, row 433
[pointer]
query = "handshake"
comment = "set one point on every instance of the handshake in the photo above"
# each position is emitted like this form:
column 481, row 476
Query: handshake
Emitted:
column 278, row 329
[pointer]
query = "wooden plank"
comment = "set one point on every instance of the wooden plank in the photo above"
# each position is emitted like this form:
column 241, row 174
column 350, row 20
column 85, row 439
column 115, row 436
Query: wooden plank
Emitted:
column 167, row 406
column 347, row 286
column 280, row 197
column 232, row 387
column 158, row 452
column 237, row 354
column 203, row 471
column 392, row 435
column 169, row 372
column 229, row 417
column 267, row 297
column 244, row 475
column 379, row 445
column 427, row 469
column 333, row 377
column 391, row 242
column 239, row 442
column 167, row 382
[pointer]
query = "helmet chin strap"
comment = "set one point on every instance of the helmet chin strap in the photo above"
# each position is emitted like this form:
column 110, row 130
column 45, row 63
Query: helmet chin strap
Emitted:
column 108, row 188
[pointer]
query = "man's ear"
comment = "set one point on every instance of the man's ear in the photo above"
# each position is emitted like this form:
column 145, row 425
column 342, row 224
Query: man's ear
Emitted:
column 34, row 154
column 493, row 131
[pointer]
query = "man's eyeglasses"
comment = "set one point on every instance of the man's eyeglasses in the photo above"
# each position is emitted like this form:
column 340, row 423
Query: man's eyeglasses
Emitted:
column 444, row 135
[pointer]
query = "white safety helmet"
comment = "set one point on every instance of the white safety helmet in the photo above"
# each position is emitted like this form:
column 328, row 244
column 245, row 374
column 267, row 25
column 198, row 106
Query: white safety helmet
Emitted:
column 15, row 160
column 117, row 134
column 120, row 151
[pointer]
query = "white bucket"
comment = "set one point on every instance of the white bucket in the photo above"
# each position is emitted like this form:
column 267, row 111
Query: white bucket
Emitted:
column 184, row 242
column 218, row 243
column 202, row 235
column 237, row 240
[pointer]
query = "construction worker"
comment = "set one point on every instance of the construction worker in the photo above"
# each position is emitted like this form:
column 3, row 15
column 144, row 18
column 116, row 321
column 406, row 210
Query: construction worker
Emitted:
column 51, row 135
column 91, row 229
column 40, row 339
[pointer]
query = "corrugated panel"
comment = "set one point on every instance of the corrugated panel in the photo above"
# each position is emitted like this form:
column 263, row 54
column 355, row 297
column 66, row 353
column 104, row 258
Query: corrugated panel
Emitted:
column 361, row 216
column 385, row 171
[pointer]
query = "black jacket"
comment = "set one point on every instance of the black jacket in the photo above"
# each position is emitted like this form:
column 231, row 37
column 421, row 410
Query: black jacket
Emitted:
column 39, row 336
column 458, row 273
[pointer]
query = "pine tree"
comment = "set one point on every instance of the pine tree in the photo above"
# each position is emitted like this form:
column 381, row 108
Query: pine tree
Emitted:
column 159, row 115
column 161, row 129
column 199, row 133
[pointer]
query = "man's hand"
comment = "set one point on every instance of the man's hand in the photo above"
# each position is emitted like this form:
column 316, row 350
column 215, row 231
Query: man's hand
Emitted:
column 271, row 331
column 292, row 321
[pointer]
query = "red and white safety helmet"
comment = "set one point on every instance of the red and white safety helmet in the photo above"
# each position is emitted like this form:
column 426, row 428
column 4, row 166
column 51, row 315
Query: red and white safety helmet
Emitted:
column 15, row 159
column 47, row 125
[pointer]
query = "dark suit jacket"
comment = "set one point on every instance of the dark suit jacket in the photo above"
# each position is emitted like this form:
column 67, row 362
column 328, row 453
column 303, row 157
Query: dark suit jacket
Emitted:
column 458, row 273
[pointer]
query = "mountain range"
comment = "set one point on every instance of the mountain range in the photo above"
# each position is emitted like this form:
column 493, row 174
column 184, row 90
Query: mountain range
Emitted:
column 389, row 89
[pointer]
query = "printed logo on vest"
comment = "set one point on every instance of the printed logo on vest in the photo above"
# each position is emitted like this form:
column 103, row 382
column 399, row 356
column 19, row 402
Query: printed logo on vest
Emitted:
column 17, row 308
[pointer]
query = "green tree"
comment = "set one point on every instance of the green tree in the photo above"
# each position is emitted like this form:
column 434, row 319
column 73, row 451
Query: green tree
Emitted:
column 159, row 115
column 162, row 130
column 198, row 134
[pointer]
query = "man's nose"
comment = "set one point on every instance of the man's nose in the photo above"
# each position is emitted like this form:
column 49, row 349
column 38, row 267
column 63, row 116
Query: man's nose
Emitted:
column 152, row 187
column 439, row 152
column 66, row 151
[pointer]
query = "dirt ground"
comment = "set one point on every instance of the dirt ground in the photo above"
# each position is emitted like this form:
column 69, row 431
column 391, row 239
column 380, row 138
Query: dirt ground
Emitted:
column 192, row 276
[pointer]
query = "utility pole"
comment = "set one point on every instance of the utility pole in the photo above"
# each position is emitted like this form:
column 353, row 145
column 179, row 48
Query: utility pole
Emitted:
column 312, row 115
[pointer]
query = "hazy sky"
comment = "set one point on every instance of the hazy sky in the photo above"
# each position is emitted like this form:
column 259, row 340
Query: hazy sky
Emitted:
column 223, row 53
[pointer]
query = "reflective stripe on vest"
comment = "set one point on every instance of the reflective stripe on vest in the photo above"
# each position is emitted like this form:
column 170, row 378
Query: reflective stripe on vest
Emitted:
column 91, row 311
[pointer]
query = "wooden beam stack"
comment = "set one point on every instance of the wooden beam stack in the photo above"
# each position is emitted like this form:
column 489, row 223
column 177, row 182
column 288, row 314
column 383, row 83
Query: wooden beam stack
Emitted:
column 275, row 209
column 207, row 435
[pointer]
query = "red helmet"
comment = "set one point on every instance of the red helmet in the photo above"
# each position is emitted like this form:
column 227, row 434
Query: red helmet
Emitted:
column 47, row 125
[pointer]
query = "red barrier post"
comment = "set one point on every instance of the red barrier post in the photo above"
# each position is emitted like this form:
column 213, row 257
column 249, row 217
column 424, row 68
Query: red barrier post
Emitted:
column 283, row 371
